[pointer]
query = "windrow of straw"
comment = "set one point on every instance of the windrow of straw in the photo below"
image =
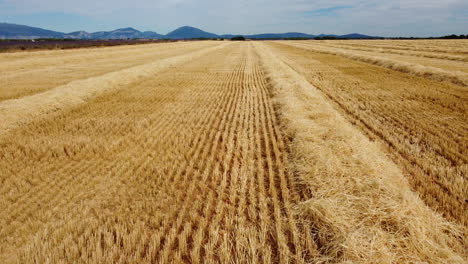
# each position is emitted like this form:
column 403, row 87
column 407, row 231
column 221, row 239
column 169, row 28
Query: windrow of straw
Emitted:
column 456, row 77
column 20, row 111
column 358, row 203
column 395, row 50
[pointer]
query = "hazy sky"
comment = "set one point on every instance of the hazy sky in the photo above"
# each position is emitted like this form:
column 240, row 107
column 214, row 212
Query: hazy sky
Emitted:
column 384, row 18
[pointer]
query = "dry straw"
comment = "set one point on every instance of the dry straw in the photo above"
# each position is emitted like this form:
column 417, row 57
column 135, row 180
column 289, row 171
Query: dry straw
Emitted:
column 361, row 207
column 456, row 77
column 20, row 111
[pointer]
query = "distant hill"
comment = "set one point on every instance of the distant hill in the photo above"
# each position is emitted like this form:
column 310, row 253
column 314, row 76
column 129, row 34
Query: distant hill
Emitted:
column 291, row 35
column 78, row 35
column 357, row 36
column 152, row 35
column 14, row 31
column 327, row 35
column 125, row 33
column 187, row 32
column 121, row 33
column 272, row 36
column 280, row 35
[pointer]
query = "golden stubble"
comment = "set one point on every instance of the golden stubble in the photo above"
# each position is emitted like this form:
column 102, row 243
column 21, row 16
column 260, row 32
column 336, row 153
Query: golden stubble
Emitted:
column 201, row 152
column 437, row 69
column 359, row 204
column 421, row 122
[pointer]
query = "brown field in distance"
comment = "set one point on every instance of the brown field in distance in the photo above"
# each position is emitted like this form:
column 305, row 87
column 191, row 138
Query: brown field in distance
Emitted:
column 235, row 152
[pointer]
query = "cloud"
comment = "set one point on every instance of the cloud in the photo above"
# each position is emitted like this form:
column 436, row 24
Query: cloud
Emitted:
column 326, row 11
column 388, row 18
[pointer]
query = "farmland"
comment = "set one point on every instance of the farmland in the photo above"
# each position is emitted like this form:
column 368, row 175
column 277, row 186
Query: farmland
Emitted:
column 423, row 123
column 235, row 152
column 48, row 44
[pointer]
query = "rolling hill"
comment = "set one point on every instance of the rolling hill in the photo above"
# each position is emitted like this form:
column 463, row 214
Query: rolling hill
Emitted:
column 125, row 33
column 187, row 32
column 14, row 31
column 356, row 36
column 273, row 35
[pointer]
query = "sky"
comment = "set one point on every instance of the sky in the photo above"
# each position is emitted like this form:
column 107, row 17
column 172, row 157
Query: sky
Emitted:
column 388, row 18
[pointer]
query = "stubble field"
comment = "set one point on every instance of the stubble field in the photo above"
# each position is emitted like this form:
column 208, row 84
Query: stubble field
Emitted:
column 235, row 152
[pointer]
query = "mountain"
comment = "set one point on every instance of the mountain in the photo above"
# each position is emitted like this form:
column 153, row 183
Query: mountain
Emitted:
column 301, row 35
column 280, row 35
column 357, row 36
column 272, row 36
column 327, row 35
column 152, row 35
column 187, row 32
column 78, row 35
column 125, row 33
column 121, row 33
column 14, row 31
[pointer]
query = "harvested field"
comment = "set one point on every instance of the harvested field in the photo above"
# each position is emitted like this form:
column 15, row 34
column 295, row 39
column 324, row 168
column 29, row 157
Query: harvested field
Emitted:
column 436, row 46
column 29, row 73
column 439, row 60
column 422, row 122
column 213, row 152
column 436, row 69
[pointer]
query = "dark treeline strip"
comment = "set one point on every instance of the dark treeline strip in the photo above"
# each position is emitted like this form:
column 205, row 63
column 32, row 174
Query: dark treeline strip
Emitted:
column 41, row 44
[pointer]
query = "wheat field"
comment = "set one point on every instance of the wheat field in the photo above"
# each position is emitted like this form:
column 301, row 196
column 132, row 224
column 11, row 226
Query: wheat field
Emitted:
column 234, row 152
column 423, row 123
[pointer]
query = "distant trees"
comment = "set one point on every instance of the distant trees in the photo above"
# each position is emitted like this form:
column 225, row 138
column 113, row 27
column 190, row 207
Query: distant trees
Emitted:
column 238, row 38
column 455, row 37
column 47, row 44
column 297, row 38
column 326, row 38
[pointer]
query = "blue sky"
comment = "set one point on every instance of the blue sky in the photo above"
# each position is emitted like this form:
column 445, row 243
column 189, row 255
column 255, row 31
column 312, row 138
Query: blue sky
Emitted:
column 384, row 18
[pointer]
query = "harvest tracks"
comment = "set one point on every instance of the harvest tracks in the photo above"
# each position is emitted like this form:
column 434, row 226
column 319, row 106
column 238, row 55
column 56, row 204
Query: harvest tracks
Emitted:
column 29, row 73
column 184, row 159
column 422, row 122
column 193, row 156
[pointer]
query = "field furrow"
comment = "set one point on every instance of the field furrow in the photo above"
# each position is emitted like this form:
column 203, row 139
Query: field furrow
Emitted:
column 41, row 71
column 235, row 152
column 441, row 62
column 439, row 70
column 356, row 192
column 396, row 50
column 422, row 122
column 193, row 155
column 457, row 47
column 18, row 112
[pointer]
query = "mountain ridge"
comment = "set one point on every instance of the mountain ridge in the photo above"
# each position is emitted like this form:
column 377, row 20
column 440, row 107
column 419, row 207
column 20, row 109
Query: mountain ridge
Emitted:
column 188, row 32
column 15, row 31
